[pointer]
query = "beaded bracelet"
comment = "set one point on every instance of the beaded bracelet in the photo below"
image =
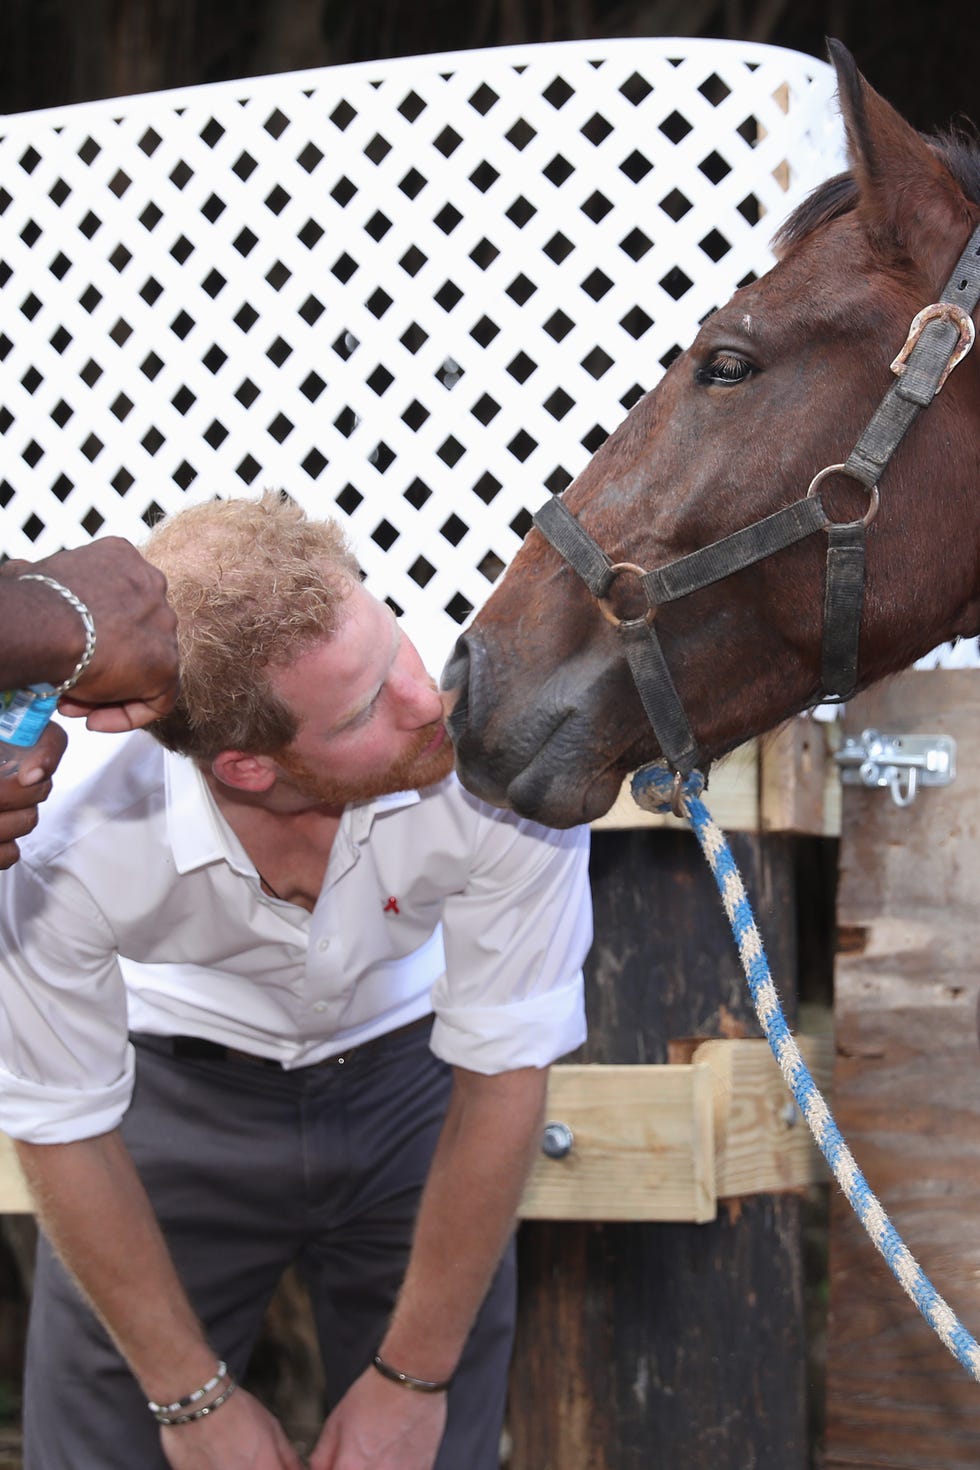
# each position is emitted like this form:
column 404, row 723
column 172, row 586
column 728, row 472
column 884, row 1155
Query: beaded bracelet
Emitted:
column 87, row 621
column 202, row 1412
column 192, row 1398
column 421, row 1385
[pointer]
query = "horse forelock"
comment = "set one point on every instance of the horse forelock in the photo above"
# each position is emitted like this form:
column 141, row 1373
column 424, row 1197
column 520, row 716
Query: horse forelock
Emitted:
column 958, row 148
column 828, row 201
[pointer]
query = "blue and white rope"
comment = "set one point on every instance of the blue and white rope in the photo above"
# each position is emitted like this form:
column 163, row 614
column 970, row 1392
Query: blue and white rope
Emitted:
column 653, row 788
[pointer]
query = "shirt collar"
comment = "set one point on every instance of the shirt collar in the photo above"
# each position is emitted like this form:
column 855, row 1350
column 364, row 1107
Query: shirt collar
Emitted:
column 199, row 834
column 362, row 815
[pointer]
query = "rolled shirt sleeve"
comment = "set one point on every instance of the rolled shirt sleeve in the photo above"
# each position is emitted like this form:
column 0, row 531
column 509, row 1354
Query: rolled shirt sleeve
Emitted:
column 515, row 939
column 67, row 1069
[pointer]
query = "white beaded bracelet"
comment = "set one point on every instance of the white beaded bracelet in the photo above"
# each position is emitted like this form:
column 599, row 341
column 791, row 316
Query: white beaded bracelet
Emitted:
column 87, row 621
column 203, row 1411
column 191, row 1398
column 163, row 1412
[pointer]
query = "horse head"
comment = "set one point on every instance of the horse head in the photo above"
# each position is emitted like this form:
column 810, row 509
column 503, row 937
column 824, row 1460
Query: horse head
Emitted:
column 778, row 384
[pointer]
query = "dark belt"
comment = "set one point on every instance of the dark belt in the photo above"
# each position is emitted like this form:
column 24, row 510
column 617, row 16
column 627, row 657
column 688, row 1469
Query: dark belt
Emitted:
column 200, row 1048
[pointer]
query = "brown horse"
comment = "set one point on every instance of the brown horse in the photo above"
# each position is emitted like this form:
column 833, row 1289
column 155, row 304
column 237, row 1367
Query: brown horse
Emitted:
column 779, row 384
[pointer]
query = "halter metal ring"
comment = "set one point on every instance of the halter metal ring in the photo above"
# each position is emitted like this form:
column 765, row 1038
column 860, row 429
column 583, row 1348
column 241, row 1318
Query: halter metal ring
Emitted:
column 604, row 607
column 840, row 469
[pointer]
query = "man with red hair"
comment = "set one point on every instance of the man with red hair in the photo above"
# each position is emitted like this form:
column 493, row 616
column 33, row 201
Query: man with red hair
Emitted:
column 276, row 991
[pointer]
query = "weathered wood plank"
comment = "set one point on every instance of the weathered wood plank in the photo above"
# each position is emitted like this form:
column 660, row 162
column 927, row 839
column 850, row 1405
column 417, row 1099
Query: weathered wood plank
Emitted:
column 667, row 1344
column 907, row 1091
column 799, row 790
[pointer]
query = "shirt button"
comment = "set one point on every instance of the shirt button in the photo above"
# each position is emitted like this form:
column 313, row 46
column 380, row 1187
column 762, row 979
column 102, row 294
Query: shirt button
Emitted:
column 320, row 1005
column 323, row 945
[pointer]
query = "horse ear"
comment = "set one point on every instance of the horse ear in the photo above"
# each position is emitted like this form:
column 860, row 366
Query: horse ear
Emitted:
column 909, row 201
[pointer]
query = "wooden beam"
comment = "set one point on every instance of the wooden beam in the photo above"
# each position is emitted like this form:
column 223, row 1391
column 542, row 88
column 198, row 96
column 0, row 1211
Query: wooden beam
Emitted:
column 650, row 1143
column 762, row 1142
column 668, row 1142
column 15, row 1197
column 643, row 1149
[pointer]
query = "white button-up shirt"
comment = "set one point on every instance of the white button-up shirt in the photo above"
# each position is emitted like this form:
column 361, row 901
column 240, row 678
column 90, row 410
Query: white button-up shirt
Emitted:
column 135, row 907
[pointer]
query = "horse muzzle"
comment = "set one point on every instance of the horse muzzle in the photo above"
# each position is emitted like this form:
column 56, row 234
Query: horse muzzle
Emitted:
column 466, row 688
column 534, row 754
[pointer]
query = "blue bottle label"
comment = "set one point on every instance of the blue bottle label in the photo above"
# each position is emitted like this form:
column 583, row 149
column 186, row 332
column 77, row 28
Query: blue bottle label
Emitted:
column 24, row 714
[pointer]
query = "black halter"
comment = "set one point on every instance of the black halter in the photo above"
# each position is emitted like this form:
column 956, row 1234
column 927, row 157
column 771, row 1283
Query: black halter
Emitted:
column 939, row 337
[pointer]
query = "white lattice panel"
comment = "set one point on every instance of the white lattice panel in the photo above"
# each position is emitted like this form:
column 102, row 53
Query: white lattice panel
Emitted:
column 416, row 292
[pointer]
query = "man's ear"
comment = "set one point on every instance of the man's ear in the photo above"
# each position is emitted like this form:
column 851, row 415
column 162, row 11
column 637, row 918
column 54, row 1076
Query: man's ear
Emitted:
column 244, row 772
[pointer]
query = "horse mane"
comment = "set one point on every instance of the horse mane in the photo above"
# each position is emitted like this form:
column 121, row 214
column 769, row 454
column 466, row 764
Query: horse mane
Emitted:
column 958, row 147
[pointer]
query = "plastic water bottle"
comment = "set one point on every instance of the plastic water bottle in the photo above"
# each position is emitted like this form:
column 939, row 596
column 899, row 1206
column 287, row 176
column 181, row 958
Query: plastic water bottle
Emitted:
column 23, row 715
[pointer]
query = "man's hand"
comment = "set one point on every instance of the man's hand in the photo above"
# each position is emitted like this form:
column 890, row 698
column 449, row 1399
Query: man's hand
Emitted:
column 25, row 781
column 240, row 1435
column 132, row 678
column 381, row 1426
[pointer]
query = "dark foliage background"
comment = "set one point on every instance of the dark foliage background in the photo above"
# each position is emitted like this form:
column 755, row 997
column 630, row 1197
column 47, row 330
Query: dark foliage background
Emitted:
column 924, row 57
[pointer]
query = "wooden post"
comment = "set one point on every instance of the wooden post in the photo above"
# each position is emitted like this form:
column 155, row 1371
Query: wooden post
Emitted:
column 642, row 1344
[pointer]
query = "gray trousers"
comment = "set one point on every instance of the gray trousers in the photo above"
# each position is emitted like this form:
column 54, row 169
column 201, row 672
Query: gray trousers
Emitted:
column 251, row 1169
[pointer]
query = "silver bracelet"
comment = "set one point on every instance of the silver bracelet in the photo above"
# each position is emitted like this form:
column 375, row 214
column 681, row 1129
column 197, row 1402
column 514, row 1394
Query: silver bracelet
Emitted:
column 202, row 1412
column 191, row 1398
column 87, row 620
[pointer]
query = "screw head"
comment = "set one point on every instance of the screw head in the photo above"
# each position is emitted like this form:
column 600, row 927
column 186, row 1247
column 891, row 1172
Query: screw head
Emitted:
column 557, row 1140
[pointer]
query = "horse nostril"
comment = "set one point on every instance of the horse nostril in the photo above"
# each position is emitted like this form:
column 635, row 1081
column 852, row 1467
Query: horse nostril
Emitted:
column 454, row 686
column 456, row 672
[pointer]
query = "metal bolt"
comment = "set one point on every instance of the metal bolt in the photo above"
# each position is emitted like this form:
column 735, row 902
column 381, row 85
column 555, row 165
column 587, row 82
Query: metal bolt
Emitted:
column 557, row 1140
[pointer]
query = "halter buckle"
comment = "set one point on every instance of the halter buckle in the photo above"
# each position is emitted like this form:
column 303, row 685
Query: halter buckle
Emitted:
column 944, row 311
column 604, row 604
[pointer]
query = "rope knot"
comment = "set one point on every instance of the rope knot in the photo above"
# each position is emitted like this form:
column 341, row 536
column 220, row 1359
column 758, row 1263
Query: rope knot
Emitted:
column 657, row 788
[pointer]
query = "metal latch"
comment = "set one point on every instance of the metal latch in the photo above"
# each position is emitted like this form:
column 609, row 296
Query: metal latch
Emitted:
column 903, row 763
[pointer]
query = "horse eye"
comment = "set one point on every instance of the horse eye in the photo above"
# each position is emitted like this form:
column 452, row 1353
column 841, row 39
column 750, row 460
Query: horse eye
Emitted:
column 724, row 368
